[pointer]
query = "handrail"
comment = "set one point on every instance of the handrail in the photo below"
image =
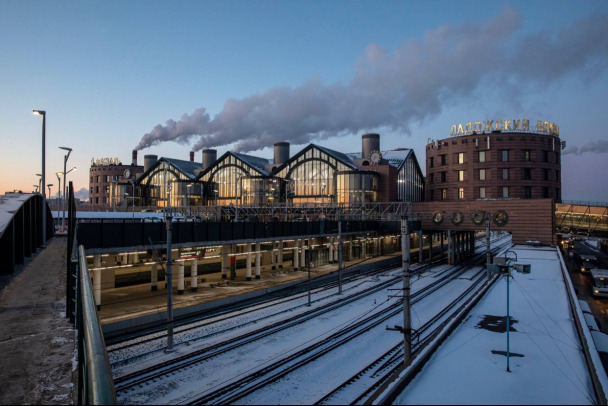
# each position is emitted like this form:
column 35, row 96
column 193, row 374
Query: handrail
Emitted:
column 95, row 374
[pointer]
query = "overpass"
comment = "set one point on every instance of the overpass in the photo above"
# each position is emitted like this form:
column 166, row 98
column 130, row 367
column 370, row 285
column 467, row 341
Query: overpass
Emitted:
column 582, row 218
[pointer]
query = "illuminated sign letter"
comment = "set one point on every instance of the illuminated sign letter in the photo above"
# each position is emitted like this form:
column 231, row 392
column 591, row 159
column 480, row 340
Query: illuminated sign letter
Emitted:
column 508, row 125
column 526, row 125
column 453, row 129
column 498, row 125
column 460, row 130
column 477, row 126
column 488, row 125
column 517, row 125
column 468, row 128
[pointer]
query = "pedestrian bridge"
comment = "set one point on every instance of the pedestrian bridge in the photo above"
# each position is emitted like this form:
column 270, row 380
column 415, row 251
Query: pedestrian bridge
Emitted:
column 582, row 218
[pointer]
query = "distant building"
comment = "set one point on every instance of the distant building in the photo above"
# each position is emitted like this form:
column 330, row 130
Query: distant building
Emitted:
column 105, row 174
column 515, row 162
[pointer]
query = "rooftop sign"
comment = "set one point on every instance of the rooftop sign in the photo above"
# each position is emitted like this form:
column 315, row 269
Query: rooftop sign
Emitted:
column 480, row 127
column 105, row 161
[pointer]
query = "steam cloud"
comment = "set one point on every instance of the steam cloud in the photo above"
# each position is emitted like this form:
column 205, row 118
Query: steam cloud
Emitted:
column 395, row 89
column 600, row 147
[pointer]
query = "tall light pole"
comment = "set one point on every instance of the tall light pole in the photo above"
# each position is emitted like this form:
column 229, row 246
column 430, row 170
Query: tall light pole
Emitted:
column 65, row 161
column 39, row 180
column 59, row 187
column 43, row 178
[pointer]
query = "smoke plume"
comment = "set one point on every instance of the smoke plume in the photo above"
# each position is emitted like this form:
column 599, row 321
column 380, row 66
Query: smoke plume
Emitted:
column 599, row 147
column 396, row 89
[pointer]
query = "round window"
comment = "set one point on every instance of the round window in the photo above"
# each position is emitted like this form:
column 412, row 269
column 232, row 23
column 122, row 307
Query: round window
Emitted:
column 438, row 218
column 457, row 218
column 501, row 218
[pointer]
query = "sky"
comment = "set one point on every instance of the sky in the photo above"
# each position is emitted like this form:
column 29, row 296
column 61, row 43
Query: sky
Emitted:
column 170, row 77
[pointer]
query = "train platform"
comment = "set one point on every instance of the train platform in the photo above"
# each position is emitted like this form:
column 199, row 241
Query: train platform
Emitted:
column 37, row 341
column 124, row 304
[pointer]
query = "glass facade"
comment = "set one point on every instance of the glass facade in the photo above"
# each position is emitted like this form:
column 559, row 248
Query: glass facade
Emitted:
column 166, row 182
column 233, row 181
column 311, row 177
column 357, row 187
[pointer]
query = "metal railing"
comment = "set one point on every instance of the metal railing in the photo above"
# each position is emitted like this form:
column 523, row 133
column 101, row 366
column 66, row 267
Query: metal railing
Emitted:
column 95, row 382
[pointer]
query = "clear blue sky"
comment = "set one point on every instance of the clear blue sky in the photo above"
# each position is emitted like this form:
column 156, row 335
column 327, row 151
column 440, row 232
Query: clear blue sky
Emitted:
column 108, row 72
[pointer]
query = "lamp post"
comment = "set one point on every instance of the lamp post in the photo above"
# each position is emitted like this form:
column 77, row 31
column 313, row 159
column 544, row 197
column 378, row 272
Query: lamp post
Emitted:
column 39, row 181
column 323, row 199
column 59, row 187
column 36, row 187
column 43, row 176
column 49, row 186
column 65, row 161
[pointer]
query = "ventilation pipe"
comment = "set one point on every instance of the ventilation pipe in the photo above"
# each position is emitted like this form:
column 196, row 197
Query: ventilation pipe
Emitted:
column 369, row 143
column 281, row 153
column 149, row 161
column 209, row 157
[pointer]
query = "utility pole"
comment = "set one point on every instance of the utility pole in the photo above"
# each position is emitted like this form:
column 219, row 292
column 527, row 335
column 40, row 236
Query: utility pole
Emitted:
column 169, row 221
column 407, row 319
column 339, row 256
column 488, row 254
column 308, row 258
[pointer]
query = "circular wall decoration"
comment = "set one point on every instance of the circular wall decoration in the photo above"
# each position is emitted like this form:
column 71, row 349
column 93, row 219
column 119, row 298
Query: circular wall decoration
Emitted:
column 457, row 218
column 478, row 217
column 438, row 218
column 501, row 218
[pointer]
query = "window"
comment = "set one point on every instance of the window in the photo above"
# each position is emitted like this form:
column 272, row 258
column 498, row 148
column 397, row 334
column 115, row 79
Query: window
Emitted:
column 546, row 174
column 482, row 174
column 460, row 176
column 545, row 192
column 527, row 192
column 505, row 174
column 505, row 155
column 461, row 193
column 482, row 156
column 443, row 176
column 444, row 194
column 557, row 175
column 527, row 173
column 505, row 191
column 545, row 156
column 482, row 192
column 461, row 157
column 443, row 159
column 431, row 178
column 431, row 162
column 527, row 155
column 432, row 195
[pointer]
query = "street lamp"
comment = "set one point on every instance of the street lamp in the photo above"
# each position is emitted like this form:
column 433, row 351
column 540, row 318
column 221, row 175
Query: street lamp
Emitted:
column 65, row 161
column 188, row 197
column 43, row 175
column 59, row 187
column 39, row 180
column 323, row 199
column 36, row 186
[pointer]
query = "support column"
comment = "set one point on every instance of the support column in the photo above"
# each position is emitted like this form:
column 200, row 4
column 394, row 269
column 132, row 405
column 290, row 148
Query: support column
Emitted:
column 225, row 261
column 350, row 249
column 180, row 278
column 442, row 236
column 135, row 258
column 258, row 260
column 280, row 254
column 419, row 246
column 296, row 255
column 303, row 255
column 125, row 259
column 248, row 272
column 472, row 243
column 233, row 262
column 97, row 280
column 194, row 275
column 154, row 277
column 273, row 261
column 431, row 247
column 450, row 248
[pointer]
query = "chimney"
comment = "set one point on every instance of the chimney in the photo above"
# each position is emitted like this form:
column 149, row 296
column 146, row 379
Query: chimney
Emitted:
column 209, row 157
column 369, row 143
column 191, row 156
column 149, row 160
column 134, row 158
column 281, row 153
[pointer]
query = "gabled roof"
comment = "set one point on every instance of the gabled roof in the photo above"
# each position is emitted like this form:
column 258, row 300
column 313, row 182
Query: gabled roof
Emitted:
column 185, row 167
column 254, row 161
column 340, row 156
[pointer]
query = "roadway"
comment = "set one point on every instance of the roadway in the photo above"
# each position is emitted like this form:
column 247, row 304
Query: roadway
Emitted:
column 582, row 282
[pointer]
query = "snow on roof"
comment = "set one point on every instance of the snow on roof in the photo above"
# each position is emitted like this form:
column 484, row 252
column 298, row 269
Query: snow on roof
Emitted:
column 9, row 204
column 547, row 364
column 186, row 167
column 254, row 161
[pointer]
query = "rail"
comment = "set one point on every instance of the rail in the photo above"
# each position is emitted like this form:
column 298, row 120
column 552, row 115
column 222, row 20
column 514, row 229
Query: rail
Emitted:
column 95, row 383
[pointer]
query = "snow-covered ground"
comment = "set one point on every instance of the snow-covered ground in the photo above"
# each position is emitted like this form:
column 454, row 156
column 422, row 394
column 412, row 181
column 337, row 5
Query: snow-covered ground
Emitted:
column 547, row 365
column 310, row 383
